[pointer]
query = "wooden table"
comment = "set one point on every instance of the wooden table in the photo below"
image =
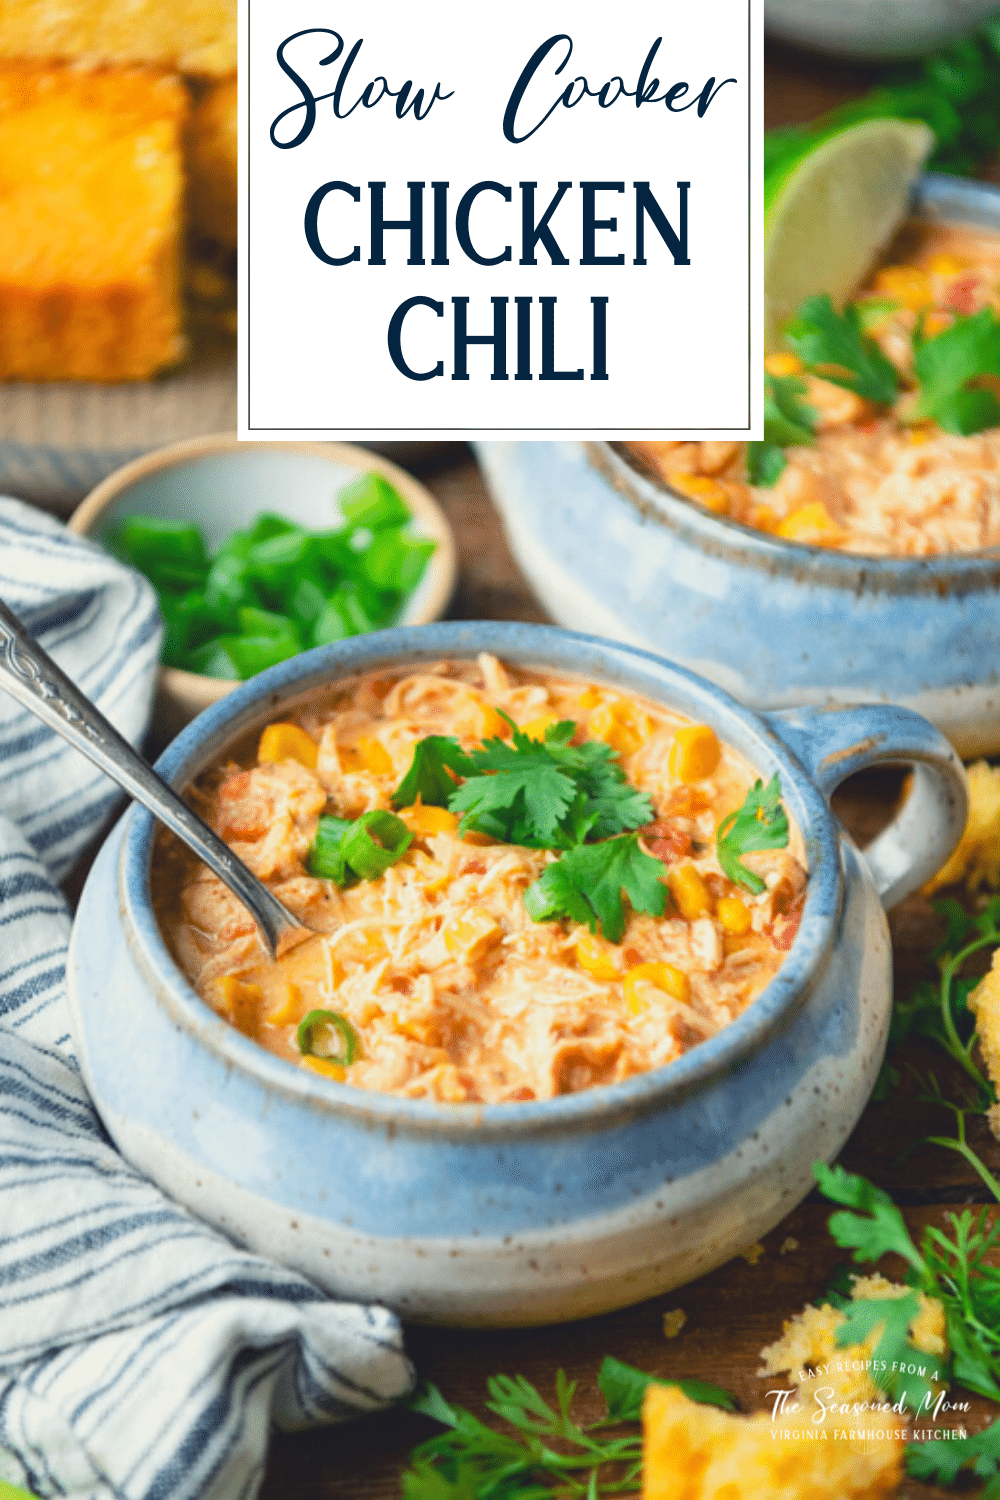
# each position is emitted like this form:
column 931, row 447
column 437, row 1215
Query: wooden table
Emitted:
column 734, row 1312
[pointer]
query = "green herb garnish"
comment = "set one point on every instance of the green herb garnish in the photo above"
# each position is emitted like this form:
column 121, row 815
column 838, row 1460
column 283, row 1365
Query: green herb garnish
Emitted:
column 787, row 418
column 833, row 345
column 761, row 823
column 363, row 849
column 327, row 1034
column 941, row 1461
column 766, row 463
column 586, row 885
column 541, row 794
column 955, row 1268
column 472, row 1461
column 947, row 364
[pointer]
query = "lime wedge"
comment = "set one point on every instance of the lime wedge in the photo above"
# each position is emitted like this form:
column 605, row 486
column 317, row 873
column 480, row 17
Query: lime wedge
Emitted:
column 829, row 210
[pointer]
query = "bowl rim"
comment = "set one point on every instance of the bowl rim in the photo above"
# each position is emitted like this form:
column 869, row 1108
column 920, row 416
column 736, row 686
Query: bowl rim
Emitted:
column 425, row 511
column 547, row 647
column 938, row 197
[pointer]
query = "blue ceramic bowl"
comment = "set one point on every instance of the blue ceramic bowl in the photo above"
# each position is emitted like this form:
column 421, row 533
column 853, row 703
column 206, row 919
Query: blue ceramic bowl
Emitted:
column 533, row 1212
column 774, row 622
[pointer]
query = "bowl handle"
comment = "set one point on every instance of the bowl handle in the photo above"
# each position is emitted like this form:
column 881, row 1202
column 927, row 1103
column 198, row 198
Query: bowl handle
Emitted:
column 833, row 743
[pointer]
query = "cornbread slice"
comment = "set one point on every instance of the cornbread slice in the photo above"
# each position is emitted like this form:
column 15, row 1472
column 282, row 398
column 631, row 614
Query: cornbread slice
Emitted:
column 91, row 187
column 694, row 1452
column 211, row 163
column 186, row 36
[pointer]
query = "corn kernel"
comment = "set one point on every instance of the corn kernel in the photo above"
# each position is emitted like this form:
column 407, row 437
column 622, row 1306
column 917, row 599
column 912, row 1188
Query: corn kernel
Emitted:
column 905, row 284
column 535, row 728
column 473, row 935
column 424, row 1032
column 288, row 742
column 734, row 915
column 420, row 819
column 620, row 724
column 491, row 724
column 734, row 942
column 708, row 492
column 947, row 265
column 240, row 1001
column 367, row 755
column 764, row 518
column 589, row 698
column 919, row 436
column 695, row 753
column 289, row 1011
column 691, row 895
column 783, row 363
column 325, row 1067
column 666, row 977
column 595, row 957
column 936, row 322
column 813, row 524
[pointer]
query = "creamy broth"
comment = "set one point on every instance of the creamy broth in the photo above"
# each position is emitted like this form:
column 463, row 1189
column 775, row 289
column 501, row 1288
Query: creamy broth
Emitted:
column 873, row 481
column 448, row 987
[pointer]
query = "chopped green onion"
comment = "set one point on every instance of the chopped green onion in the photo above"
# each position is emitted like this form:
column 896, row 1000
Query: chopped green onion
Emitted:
column 345, row 851
column 317, row 1031
column 371, row 501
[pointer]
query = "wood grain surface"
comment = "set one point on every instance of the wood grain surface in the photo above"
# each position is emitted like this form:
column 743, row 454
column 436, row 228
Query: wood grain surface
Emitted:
column 734, row 1312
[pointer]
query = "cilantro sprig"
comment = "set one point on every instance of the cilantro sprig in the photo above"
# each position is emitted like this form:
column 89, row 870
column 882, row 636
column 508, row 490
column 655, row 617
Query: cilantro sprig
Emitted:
column 953, row 1265
column 947, row 367
column 471, row 1459
column 586, row 885
column 761, row 823
column 787, row 418
column 543, row 794
column 834, row 346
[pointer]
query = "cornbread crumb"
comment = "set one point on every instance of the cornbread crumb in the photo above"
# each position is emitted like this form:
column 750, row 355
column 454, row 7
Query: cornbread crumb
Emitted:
column 977, row 857
column 91, row 186
column 984, row 1002
column 695, row 1452
column 752, row 1253
column 189, row 36
column 673, row 1322
column 211, row 162
column 788, row 1245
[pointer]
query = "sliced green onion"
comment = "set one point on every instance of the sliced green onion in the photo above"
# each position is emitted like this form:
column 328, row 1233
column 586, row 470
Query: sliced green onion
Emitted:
column 326, row 858
column 371, row 501
column 377, row 840
column 319, row 1026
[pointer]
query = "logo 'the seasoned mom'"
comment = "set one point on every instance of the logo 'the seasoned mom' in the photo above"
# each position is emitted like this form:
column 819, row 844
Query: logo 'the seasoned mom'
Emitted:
column 609, row 222
column 794, row 1419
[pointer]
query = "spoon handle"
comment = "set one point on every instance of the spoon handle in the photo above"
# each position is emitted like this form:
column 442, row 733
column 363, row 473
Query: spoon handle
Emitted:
column 30, row 675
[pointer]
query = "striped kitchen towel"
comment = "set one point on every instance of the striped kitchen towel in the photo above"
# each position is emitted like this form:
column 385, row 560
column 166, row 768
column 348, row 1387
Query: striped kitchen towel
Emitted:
column 141, row 1354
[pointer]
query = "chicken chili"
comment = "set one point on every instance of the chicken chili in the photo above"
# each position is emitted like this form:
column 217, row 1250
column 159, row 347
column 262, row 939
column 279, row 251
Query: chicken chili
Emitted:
column 527, row 885
column 882, row 422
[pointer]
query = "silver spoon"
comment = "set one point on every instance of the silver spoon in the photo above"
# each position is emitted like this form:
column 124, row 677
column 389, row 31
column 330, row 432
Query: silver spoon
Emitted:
column 31, row 676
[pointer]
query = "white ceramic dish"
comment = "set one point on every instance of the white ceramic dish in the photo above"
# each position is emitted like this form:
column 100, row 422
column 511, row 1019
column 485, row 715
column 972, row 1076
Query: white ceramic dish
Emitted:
column 221, row 484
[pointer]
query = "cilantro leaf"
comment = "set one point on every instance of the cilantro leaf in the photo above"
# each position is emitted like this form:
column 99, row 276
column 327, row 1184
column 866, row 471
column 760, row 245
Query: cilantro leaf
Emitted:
column 618, row 807
column 520, row 787
column 893, row 1315
column 587, row 882
column 884, row 1229
column 766, row 463
column 833, row 345
column 942, row 1461
column 624, row 1387
column 786, row 419
column 761, row 823
column 427, row 778
column 946, row 364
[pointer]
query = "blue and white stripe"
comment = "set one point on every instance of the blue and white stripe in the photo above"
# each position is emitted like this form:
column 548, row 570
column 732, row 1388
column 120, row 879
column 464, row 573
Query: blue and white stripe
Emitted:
column 142, row 1356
